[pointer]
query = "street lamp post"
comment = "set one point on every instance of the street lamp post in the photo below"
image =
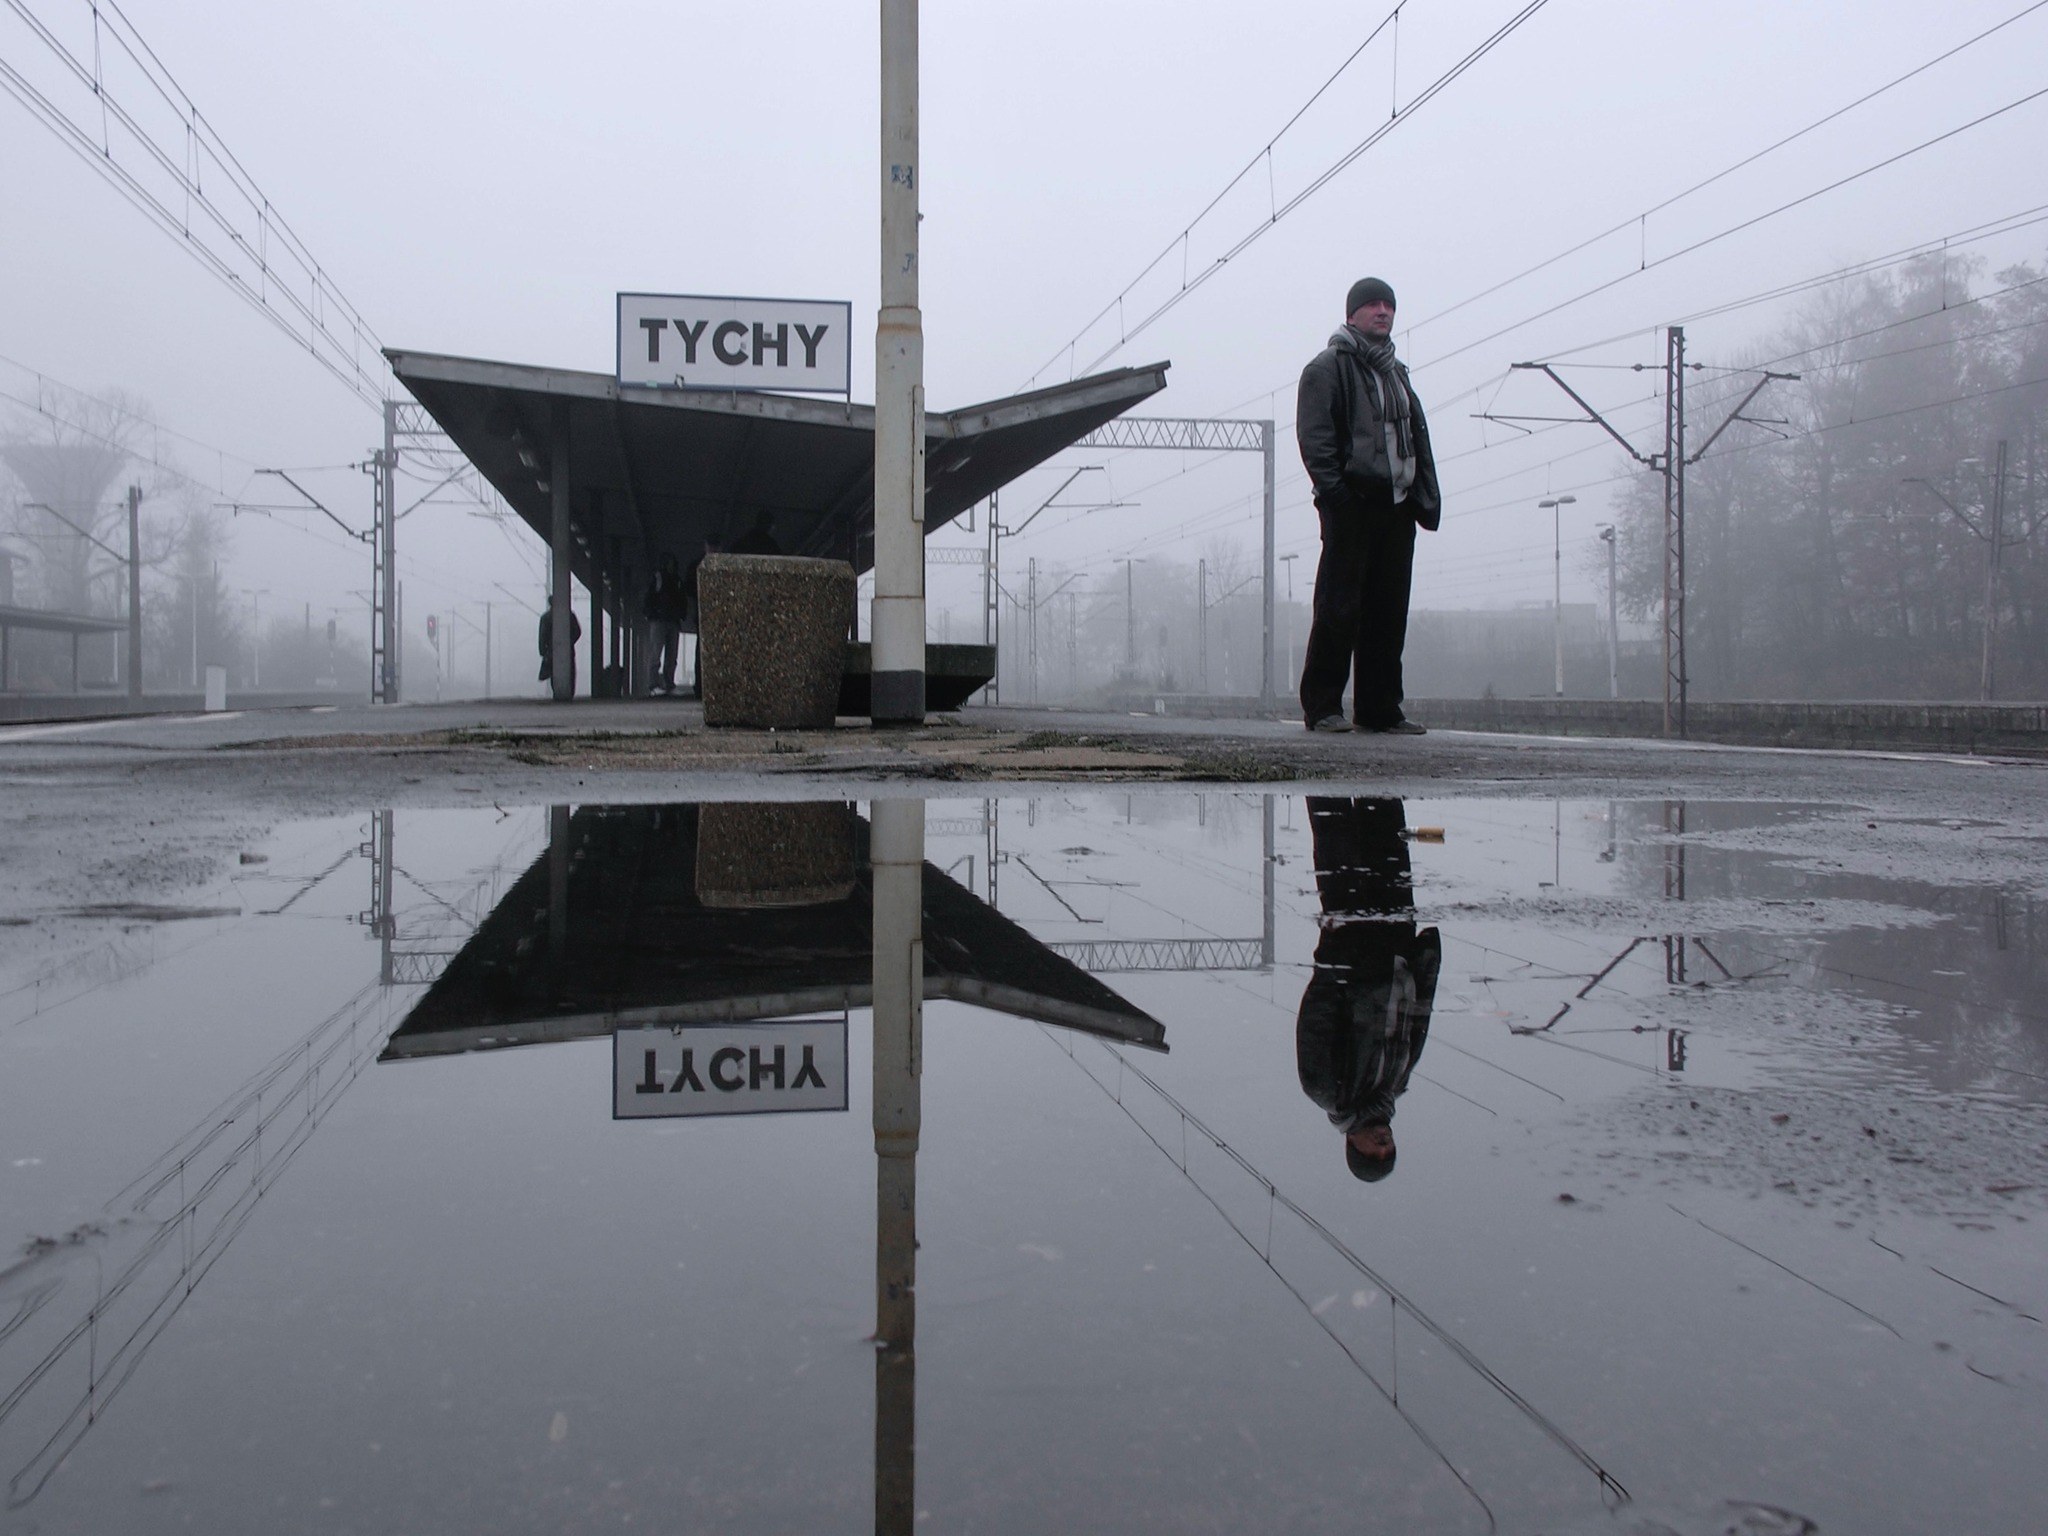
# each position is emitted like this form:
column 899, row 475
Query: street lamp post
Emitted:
column 1993, row 535
column 1130, row 622
column 1288, row 561
column 255, row 635
column 1613, row 618
column 1556, row 504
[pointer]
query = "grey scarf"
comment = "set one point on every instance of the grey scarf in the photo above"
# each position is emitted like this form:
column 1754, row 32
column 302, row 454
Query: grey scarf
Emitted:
column 1378, row 358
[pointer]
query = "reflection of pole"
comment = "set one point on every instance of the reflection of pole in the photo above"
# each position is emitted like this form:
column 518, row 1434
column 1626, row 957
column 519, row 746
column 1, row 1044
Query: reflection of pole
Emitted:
column 381, row 921
column 558, row 881
column 1266, row 869
column 896, row 849
column 1674, row 887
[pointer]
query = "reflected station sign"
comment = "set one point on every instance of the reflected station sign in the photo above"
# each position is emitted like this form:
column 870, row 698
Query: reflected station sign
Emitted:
column 665, row 1071
column 695, row 341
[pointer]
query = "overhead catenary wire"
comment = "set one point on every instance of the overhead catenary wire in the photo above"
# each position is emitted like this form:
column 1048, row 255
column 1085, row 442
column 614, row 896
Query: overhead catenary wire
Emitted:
column 250, row 263
column 1265, row 155
column 1696, row 246
column 1190, row 282
column 1639, row 220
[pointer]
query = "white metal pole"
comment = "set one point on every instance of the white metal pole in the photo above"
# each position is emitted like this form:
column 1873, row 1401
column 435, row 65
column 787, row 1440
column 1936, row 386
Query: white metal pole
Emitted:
column 1557, row 590
column 1613, row 619
column 134, row 592
column 1266, row 684
column 1989, row 688
column 387, row 536
column 896, row 619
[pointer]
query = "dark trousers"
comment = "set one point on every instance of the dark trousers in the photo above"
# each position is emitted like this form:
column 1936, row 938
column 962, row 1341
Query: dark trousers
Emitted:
column 664, row 636
column 1361, row 613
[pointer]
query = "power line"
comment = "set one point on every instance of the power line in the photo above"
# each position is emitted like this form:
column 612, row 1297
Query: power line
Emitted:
column 1279, row 210
column 252, row 250
column 1392, row 18
column 2006, row 224
column 1734, row 229
column 1640, row 221
column 156, row 427
column 1970, row 235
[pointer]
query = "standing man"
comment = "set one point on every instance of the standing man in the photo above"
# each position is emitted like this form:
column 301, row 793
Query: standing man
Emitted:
column 547, row 644
column 664, row 605
column 1365, row 445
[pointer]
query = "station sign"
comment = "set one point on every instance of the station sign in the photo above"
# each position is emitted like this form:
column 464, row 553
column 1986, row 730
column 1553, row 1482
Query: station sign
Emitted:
column 665, row 1071
column 693, row 341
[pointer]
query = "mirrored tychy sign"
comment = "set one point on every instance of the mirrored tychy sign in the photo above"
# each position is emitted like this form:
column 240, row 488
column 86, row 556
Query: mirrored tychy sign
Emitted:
column 665, row 1070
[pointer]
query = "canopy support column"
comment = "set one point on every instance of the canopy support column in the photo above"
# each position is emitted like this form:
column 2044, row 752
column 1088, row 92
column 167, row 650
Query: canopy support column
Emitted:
column 561, row 645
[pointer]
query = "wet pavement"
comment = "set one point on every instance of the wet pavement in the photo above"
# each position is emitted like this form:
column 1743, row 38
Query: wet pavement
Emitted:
column 1153, row 1159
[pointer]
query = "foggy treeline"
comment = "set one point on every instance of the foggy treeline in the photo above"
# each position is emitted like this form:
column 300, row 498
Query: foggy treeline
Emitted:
column 1848, row 556
column 64, row 547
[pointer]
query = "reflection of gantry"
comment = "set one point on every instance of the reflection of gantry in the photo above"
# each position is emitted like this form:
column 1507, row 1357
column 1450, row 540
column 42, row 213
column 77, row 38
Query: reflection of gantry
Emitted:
column 413, row 966
column 1108, row 955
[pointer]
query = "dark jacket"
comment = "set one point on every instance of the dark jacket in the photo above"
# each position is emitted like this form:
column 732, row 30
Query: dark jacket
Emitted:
column 667, row 599
column 1343, row 437
column 547, row 640
column 1364, row 1018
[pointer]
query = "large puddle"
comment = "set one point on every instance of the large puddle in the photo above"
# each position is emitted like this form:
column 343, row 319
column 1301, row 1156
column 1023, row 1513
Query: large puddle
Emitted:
column 1157, row 1161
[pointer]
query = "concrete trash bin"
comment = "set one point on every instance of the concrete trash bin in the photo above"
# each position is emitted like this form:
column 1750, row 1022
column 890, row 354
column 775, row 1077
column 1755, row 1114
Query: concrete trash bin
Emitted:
column 773, row 630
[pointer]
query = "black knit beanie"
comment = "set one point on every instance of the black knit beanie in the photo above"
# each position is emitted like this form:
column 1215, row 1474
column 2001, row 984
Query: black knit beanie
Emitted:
column 1364, row 291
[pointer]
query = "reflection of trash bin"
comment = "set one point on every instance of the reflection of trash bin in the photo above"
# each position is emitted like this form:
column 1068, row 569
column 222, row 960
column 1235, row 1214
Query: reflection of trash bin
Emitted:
column 216, row 689
column 774, row 855
column 773, row 630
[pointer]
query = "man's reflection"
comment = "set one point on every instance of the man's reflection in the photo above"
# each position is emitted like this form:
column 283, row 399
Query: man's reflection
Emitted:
column 1365, row 1013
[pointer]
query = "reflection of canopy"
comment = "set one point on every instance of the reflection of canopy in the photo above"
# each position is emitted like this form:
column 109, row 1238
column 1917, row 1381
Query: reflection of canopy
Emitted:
column 665, row 471
column 629, row 940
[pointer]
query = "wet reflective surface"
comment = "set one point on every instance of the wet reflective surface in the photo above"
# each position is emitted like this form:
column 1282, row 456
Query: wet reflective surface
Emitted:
column 1209, row 1162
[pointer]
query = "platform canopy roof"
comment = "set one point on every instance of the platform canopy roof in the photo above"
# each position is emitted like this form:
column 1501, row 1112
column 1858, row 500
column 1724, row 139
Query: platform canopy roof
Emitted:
column 617, row 925
column 664, row 471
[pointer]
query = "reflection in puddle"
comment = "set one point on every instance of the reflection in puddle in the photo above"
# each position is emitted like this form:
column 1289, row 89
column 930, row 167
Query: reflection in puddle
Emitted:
column 1696, row 1126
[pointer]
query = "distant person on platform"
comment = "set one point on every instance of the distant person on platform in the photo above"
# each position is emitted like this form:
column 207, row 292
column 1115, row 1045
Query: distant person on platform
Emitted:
column 1365, row 445
column 547, row 645
column 666, row 606
column 1364, row 1015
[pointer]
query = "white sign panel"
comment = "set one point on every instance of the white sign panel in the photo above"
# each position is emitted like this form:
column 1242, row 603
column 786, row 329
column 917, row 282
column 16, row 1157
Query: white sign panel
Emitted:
column 689, row 341
column 665, row 1070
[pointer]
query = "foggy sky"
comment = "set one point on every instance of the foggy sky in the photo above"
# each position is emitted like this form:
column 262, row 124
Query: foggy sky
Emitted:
column 482, row 179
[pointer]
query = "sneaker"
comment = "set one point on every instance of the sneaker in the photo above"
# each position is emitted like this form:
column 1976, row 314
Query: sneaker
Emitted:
column 1402, row 726
column 1331, row 724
